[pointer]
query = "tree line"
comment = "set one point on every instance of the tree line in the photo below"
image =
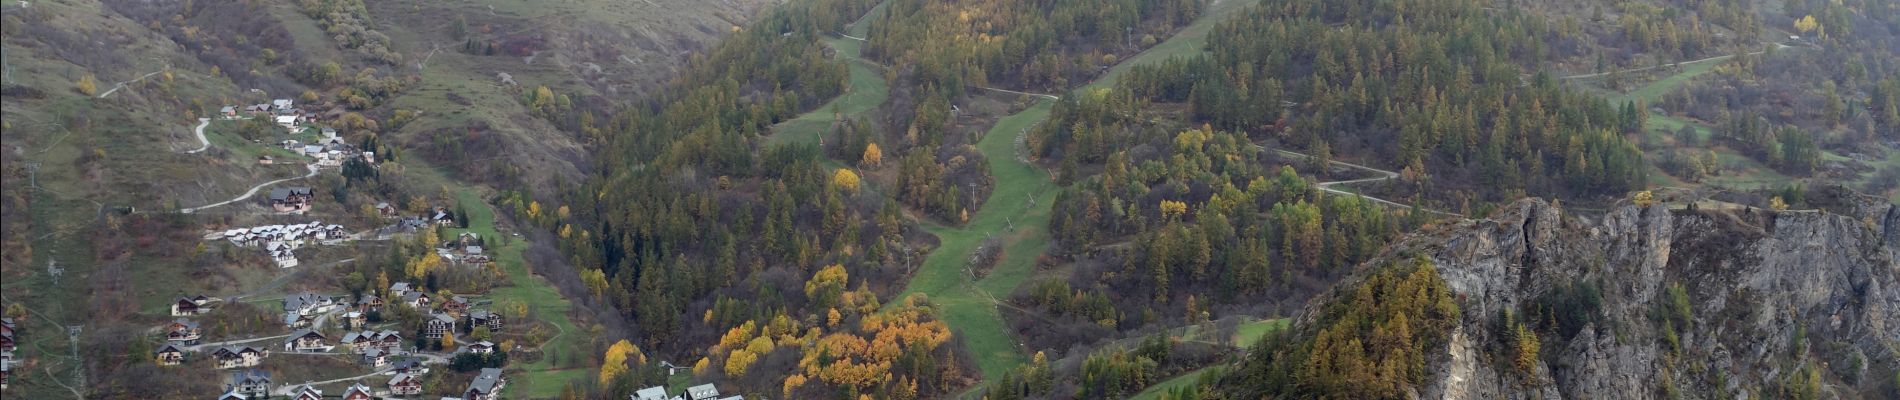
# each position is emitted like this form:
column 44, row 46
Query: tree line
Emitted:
column 1437, row 88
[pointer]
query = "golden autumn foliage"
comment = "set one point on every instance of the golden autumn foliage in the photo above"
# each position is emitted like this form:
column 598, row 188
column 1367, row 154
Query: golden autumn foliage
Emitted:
column 739, row 361
column 420, row 267
column 845, row 179
column 826, row 287
column 782, row 327
column 1806, row 24
column 700, row 368
column 792, row 382
column 760, row 345
column 614, row 363
column 873, row 157
column 735, row 337
column 87, row 85
column 1171, row 208
column 856, row 361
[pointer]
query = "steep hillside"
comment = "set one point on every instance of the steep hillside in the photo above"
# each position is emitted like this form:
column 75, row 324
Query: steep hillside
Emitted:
column 1645, row 302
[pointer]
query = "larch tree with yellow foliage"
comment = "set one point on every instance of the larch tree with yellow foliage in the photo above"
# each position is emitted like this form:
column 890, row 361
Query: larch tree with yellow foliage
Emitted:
column 792, row 383
column 1171, row 208
column 873, row 157
column 87, row 85
column 1807, row 25
column 739, row 361
column 845, row 180
column 614, row 363
column 827, row 285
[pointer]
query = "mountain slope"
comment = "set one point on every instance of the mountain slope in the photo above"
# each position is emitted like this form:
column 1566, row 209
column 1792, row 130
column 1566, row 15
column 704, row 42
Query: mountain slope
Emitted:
column 1644, row 302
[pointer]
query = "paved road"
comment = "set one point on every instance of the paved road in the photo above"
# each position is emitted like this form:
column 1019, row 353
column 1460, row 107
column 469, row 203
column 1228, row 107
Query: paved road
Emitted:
column 426, row 359
column 313, row 172
column 200, row 131
column 314, row 326
column 202, row 346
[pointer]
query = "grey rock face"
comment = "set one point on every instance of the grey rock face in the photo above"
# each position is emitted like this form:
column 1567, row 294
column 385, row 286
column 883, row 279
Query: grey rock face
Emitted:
column 1755, row 281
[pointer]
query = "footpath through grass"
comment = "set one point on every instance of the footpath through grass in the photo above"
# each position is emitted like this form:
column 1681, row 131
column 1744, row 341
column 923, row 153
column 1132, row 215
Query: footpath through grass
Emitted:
column 539, row 379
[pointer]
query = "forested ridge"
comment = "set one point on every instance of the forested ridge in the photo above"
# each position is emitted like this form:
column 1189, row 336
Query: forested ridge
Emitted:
column 768, row 264
column 1444, row 90
column 709, row 240
column 1032, row 45
column 1205, row 228
column 1368, row 342
column 757, row 266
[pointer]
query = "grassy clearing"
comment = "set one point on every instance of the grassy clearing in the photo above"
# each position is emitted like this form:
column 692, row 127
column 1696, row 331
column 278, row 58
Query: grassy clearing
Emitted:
column 1190, row 41
column 1654, row 91
column 865, row 90
column 1738, row 171
column 1251, row 332
column 970, row 307
column 1155, row 392
column 1018, row 209
column 539, row 379
column 1245, row 336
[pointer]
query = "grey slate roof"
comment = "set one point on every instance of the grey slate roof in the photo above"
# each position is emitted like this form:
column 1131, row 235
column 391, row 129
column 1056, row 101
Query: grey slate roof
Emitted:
column 486, row 381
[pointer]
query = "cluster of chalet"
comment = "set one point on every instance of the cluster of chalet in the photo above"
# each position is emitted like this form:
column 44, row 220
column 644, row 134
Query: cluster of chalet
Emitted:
column 183, row 331
column 440, row 216
column 193, row 305
column 239, row 356
column 466, row 249
column 330, row 150
column 284, row 112
column 405, row 381
column 386, row 341
column 281, row 240
column 305, row 340
column 247, row 384
column 7, row 328
column 290, row 200
column 356, row 391
column 701, row 392
column 226, row 357
column 454, row 310
column 302, row 309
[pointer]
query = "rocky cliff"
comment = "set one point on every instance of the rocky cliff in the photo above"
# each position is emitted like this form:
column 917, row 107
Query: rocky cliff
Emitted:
column 1736, row 303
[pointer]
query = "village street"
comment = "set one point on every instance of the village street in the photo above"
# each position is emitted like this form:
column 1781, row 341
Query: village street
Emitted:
column 314, row 326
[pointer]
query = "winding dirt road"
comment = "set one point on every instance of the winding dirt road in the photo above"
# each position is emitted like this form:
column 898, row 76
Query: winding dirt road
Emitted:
column 121, row 85
column 253, row 192
column 200, row 131
column 1778, row 46
column 1384, row 175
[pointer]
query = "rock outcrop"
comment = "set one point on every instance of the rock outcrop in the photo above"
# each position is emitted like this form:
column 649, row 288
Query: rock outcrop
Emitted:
column 1774, row 299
